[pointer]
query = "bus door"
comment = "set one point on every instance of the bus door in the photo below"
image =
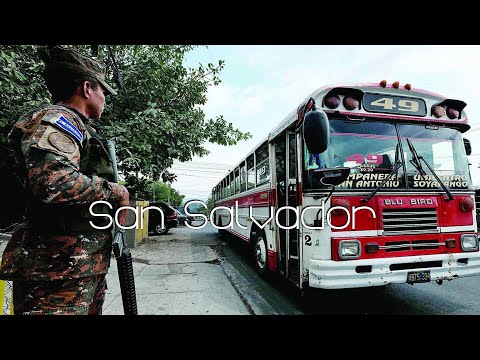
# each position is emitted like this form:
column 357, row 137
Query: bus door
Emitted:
column 286, row 186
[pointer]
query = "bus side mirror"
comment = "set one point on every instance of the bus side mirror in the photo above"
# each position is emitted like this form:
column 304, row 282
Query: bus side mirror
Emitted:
column 316, row 131
column 468, row 146
column 332, row 176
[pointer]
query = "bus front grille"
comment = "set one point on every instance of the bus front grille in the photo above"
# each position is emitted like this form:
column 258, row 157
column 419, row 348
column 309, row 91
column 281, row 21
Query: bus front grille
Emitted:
column 391, row 246
column 409, row 221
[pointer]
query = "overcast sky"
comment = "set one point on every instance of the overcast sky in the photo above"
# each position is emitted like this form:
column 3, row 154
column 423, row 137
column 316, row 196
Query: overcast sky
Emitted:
column 261, row 84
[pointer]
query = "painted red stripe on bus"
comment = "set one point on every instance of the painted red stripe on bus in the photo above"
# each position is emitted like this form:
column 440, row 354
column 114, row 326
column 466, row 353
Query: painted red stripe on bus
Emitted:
column 243, row 237
column 256, row 199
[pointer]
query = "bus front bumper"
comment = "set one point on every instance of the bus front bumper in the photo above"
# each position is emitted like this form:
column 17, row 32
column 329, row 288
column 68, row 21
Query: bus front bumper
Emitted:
column 328, row 274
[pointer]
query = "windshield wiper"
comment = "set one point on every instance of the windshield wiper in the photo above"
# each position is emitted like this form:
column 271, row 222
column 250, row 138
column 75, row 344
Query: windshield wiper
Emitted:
column 418, row 165
column 416, row 159
column 397, row 166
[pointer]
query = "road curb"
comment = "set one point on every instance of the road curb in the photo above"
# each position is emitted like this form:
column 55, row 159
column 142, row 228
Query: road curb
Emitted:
column 252, row 300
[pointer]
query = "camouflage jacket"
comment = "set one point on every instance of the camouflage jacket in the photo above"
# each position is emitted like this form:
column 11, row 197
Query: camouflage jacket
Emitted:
column 48, row 145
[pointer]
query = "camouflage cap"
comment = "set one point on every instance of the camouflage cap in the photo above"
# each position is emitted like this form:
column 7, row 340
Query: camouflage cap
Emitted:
column 71, row 61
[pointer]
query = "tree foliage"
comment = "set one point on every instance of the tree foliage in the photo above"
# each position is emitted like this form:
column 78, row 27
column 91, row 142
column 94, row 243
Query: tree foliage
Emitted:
column 21, row 88
column 210, row 205
column 157, row 191
column 157, row 120
column 199, row 208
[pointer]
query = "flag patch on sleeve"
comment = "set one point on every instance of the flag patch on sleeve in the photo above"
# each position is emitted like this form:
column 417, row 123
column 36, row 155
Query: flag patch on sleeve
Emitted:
column 66, row 125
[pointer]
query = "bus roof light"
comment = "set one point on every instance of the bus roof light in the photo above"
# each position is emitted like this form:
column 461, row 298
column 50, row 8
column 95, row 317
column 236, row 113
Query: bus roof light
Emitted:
column 396, row 84
column 439, row 111
column 452, row 113
column 383, row 83
column 407, row 86
column 350, row 103
column 332, row 102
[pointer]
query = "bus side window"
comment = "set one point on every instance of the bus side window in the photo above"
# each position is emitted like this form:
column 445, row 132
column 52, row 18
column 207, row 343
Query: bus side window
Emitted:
column 250, row 172
column 243, row 178
column 263, row 166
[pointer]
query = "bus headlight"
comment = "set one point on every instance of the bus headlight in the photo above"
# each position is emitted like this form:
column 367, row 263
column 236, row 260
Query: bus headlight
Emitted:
column 349, row 249
column 469, row 242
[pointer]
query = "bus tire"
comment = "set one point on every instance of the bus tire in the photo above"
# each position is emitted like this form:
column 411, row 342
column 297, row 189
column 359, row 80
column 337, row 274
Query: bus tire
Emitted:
column 260, row 254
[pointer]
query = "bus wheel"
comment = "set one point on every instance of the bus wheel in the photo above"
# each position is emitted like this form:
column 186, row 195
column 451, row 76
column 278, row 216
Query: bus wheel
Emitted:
column 260, row 254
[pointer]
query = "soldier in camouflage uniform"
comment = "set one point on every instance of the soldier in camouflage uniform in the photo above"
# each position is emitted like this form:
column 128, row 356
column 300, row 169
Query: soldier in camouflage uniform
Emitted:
column 56, row 259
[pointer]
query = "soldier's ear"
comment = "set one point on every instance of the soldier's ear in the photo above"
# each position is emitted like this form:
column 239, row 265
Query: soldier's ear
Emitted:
column 86, row 88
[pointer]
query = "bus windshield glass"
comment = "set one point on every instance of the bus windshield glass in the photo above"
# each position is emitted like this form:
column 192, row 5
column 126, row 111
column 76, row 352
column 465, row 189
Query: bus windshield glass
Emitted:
column 371, row 148
column 443, row 149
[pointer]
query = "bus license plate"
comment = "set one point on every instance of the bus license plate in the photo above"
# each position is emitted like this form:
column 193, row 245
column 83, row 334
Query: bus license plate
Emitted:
column 418, row 277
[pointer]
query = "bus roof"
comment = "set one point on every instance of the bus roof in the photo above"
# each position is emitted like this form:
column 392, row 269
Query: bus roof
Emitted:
column 430, row 98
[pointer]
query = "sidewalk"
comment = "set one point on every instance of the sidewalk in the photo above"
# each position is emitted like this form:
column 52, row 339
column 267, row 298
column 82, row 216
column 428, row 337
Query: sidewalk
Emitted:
column 178, row 273
column 175, row 274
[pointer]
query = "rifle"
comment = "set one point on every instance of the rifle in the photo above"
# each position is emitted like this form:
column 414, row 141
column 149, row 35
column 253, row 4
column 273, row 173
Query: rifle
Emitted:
column 120, row 249
column 122, row 253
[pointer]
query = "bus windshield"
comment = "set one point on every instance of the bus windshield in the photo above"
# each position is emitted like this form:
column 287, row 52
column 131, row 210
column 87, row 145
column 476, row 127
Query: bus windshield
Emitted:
column 443, row 149
column 371, row 148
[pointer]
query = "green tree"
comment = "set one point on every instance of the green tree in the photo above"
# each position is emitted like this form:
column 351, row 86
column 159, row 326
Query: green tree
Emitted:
column 21, row 89
column 200, row 209
column 157, row 191
column 176, row 198
column 210, row 205
column 160, row 118
column 157, row 120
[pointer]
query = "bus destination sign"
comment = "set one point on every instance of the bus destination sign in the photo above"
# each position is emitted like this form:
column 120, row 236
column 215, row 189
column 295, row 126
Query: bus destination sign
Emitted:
column 393, row 104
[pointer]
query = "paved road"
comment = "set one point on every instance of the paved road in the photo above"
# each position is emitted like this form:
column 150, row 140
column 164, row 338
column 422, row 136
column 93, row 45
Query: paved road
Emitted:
column 276, row 296
column 186, row 254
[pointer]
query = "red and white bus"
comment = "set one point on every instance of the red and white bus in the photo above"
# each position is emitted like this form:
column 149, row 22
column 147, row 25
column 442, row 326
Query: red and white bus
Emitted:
column 389, row 165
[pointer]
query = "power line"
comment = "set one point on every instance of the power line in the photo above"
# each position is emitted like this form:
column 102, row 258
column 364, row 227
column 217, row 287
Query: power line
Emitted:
column 204, row 166
column 202, row 177
column 204, row 171
column 195, row 188
column 202, row 162
column 197, row 168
